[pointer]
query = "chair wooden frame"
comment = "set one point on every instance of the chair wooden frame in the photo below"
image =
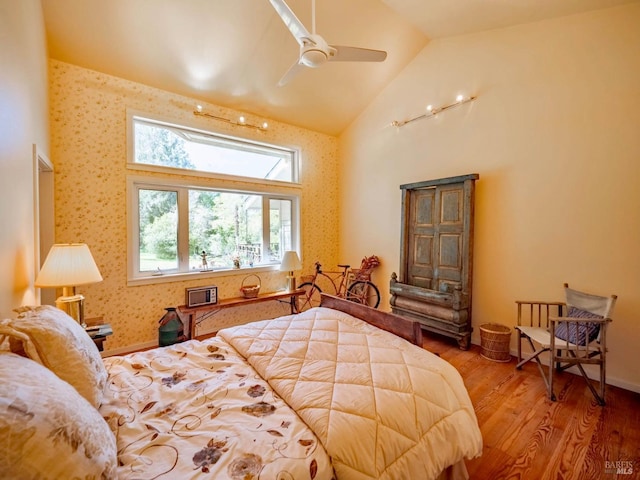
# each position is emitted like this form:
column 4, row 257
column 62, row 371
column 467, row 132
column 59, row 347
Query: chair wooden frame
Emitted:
column 538, row 322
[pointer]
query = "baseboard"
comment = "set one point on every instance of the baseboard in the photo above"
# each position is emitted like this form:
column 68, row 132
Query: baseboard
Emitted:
column 616, row 382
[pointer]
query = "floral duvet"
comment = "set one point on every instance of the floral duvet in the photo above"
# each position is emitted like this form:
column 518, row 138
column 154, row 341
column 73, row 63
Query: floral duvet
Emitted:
column 197, row 410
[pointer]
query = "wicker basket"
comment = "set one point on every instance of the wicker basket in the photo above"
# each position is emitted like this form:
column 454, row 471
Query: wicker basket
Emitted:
column 494, row 342
column 250, row 290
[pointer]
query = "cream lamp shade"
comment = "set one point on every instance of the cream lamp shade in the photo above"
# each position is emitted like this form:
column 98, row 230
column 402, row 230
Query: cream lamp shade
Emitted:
column 290, row 262
column 68, row 265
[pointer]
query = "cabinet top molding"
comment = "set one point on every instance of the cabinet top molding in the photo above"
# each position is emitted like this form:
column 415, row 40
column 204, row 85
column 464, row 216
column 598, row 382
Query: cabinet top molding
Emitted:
column 439, row 181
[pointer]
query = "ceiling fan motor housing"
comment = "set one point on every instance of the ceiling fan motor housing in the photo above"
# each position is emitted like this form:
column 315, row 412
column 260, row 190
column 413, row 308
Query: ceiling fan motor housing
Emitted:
column 313, row 57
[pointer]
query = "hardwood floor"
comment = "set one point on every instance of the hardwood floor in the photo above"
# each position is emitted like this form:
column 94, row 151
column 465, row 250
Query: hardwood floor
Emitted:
column 527, row 436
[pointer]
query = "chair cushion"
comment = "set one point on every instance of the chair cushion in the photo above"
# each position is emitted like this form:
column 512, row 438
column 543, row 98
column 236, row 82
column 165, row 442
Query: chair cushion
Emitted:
column 584, row 333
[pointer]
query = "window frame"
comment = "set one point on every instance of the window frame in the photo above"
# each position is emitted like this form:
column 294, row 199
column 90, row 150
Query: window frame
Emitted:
column 132, row 115
column 137, row 183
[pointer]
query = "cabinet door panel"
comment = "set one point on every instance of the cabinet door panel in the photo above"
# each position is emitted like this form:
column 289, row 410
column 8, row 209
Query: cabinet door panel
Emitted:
column 436, row 240
column 421, row 232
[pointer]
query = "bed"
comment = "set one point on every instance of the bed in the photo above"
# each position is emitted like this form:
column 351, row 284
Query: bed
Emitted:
column 338, row 391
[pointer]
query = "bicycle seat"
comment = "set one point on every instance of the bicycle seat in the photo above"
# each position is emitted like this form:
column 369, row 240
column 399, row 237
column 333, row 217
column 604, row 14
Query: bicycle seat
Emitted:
column 344, row 266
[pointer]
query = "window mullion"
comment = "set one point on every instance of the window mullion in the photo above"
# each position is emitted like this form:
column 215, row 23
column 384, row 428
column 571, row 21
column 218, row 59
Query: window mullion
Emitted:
column 295, row 225
column 266, row 228
column 183, row 230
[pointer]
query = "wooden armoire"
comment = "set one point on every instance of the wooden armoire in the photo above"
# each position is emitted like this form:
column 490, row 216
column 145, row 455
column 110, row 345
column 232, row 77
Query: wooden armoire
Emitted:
column 434, row 283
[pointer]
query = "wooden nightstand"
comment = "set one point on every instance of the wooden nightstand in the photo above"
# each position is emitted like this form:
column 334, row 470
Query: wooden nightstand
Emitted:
column 98, row 331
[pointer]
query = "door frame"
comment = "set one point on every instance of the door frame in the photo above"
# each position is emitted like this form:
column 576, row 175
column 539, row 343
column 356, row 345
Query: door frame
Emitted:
column 43, row 217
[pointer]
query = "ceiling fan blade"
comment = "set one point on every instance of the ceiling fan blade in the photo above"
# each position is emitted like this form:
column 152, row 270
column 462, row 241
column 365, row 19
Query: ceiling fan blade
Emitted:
column 292, row 72
column 289, row 18
column 357, row 54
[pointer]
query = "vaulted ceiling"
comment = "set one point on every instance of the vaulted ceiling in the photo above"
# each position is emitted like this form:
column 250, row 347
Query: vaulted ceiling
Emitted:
column 233, row 52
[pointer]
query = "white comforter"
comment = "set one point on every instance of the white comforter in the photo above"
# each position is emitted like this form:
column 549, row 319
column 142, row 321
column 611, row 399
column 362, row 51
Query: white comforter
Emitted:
column 382, row 407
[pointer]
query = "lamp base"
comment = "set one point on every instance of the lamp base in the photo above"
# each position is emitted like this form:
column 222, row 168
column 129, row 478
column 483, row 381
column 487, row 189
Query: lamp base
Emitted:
column 291, row 283
column 72, row 305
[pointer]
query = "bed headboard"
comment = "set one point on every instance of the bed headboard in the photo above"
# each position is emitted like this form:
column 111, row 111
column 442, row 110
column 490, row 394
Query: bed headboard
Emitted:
column 390, row 322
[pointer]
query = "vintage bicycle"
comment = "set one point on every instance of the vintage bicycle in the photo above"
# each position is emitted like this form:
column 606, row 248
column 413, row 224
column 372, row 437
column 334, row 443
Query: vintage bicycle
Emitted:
column 350, row 283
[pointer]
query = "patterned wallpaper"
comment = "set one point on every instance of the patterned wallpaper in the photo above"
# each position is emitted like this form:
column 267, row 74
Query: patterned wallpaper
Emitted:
column 89, row 153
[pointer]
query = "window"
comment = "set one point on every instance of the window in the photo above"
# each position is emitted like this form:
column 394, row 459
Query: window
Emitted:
column 165, row 145
column 185, row 229
column 199, row 226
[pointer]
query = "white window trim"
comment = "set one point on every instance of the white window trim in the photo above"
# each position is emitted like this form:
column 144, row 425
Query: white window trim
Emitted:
column 132, row 165
column 134, row 183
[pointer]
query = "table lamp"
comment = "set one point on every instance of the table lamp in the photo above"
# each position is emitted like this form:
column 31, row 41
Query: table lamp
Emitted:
column 290, row 262
column 69, row 265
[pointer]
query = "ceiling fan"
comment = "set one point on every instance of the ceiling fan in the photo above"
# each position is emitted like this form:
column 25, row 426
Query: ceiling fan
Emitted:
column 314, row 50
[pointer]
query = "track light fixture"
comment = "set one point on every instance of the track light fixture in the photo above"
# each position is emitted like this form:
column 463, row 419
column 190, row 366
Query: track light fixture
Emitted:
column 433, row 111
column 241, row 122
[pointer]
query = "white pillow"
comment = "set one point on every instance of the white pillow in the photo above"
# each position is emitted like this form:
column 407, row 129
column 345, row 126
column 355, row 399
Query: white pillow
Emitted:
column 48, row 430
column 52, row 338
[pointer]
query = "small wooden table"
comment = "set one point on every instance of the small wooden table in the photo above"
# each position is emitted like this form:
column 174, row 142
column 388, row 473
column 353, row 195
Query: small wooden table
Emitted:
column 197, row 315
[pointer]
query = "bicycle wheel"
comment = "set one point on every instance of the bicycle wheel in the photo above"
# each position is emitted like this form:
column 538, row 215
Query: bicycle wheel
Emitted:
column 364, row 292
column 311, row 298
